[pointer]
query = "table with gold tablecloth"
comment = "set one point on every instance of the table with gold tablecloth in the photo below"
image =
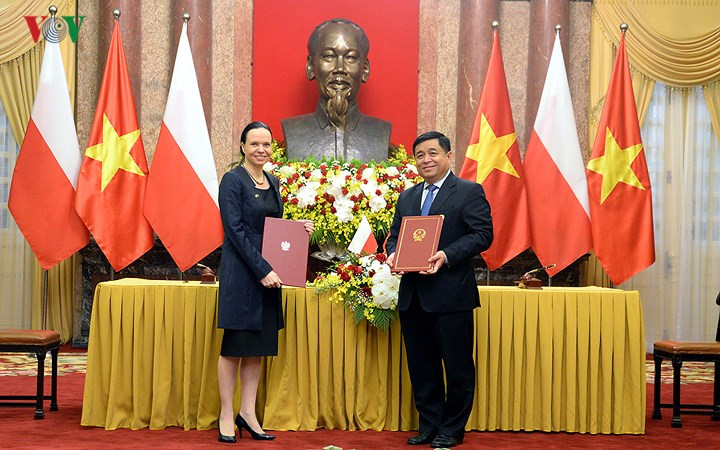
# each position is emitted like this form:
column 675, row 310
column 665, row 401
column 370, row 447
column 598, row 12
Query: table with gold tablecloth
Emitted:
column 557, row 359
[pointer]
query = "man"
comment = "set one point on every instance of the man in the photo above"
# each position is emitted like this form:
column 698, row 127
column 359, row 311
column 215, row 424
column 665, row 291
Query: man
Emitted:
column 338, row 60
column 436, row 306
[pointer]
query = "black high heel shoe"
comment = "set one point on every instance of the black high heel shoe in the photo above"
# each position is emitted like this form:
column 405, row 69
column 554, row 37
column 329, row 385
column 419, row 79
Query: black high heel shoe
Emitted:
column 224, row 438
column 241, row 423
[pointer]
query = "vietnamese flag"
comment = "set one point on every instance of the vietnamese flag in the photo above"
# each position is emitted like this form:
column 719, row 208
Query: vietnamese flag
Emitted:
column 493, row 160
column 181, row 201
column 555, row 175
column 42, row 191
column 618, row 182
column 111, row 186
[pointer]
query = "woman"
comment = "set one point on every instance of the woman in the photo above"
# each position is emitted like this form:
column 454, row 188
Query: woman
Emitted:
column 250, row 303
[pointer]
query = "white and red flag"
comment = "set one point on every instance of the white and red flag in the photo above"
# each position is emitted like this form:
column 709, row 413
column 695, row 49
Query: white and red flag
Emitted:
column 364, row 240
column 555, row 175
column 181, row 200
column 42, row 191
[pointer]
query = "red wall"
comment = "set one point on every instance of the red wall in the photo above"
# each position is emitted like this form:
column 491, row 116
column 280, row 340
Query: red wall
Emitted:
column 281, row 88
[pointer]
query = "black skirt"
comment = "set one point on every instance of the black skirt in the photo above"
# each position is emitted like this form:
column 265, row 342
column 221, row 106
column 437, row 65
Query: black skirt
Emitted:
column 264, row 342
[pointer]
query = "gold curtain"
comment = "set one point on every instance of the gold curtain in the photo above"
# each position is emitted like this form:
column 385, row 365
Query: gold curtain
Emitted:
column 684, row 52
column 19, row 72
column 676, row 43
column 15, row 37
column 712, row 97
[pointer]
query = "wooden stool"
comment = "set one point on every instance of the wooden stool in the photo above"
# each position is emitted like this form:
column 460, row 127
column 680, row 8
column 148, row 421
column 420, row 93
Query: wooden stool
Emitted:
column 38, row 342
column 679, row 352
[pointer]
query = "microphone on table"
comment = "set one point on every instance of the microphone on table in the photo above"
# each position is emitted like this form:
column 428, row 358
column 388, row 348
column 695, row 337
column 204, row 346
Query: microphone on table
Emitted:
column 534, row 271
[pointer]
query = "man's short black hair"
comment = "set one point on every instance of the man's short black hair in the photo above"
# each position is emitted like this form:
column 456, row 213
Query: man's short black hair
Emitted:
column 442, row 139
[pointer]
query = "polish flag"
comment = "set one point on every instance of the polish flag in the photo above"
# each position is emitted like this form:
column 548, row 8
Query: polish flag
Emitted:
column 555, row 175
column 42, row 191
column 364, row 240
column 181, row 200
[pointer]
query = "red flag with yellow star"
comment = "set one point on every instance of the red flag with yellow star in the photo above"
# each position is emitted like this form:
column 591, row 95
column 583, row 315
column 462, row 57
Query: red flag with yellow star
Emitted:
column 493, row 160
column 618, row 182
column 111, row 185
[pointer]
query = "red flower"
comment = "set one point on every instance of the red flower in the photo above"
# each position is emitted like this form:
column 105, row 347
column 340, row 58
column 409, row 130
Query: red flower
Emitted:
column 294, row 201
column 381, row 257
column 365, row 181
column 358, row 176
column 389, row 206
column 367, row 291
column 356, row 208
column 353, row 198
column 296, row 176
column 379, row 192
column 364, row 166
column 307, row 174
column 345, row 191
column 330, row 199
column 357, row 270
column 285, row 199
column 333, row 210
column 345, row 276
column 323, row 180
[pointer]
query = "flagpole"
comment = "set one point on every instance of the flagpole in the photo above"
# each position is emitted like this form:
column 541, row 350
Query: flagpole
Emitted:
column 45, row 299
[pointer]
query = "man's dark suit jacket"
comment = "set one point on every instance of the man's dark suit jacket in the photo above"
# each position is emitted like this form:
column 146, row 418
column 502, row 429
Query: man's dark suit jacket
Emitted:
column 467, row 231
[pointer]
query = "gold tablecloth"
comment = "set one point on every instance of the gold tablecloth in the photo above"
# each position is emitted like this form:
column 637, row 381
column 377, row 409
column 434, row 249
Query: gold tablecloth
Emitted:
column 557, row 359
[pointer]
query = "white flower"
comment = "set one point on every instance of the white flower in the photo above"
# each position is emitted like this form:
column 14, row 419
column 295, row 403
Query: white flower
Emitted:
column 343, row 209
column 412, row 168
column 268, row 166
column 368, row 173
column 385, row 288
column 377, row 203
column 287, row 170
column 392, row 171
column 369, row 188
column 316, row 174
column 339, row 179
column 306, row 196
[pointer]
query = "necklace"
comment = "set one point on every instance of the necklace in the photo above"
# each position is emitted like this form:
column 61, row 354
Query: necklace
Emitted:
column 253, row 178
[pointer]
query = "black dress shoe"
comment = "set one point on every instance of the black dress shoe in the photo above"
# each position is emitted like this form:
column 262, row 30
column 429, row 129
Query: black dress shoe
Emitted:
column 224, row 438
column 241, row 423
column 422, row 438
column 444, row 441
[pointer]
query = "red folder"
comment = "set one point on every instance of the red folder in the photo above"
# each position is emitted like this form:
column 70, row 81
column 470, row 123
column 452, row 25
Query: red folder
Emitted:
column 285, row 246
column 417, row 242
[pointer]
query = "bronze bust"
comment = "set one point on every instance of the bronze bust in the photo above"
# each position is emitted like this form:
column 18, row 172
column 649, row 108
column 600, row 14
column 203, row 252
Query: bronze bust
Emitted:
column 338, row 60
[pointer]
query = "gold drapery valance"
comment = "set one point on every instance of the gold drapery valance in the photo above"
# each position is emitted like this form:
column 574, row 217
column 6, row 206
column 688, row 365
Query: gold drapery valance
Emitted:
column 676, row 43
column 15, row 36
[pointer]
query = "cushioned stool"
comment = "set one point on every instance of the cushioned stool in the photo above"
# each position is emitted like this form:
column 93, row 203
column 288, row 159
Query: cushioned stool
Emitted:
column 38, row 342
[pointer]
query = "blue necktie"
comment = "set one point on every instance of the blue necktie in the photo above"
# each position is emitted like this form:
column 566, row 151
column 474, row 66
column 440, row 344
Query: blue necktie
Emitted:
column 428, row 200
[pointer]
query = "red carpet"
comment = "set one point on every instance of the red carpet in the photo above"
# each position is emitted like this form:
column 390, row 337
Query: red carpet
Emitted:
column 61, row 429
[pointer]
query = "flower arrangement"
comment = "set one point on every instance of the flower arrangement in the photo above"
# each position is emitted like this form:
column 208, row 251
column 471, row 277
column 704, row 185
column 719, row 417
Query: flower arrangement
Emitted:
column 336, row 194
column 366, row 286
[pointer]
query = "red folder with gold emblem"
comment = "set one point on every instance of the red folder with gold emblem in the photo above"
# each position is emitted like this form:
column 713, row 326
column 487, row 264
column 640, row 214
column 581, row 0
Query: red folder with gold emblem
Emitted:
column 417, row 242
column 285, row 246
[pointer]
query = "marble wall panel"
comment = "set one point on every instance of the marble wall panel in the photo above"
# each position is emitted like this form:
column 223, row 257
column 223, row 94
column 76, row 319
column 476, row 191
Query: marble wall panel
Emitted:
column 222, row 83
column 578, row 65
column 156, row 68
